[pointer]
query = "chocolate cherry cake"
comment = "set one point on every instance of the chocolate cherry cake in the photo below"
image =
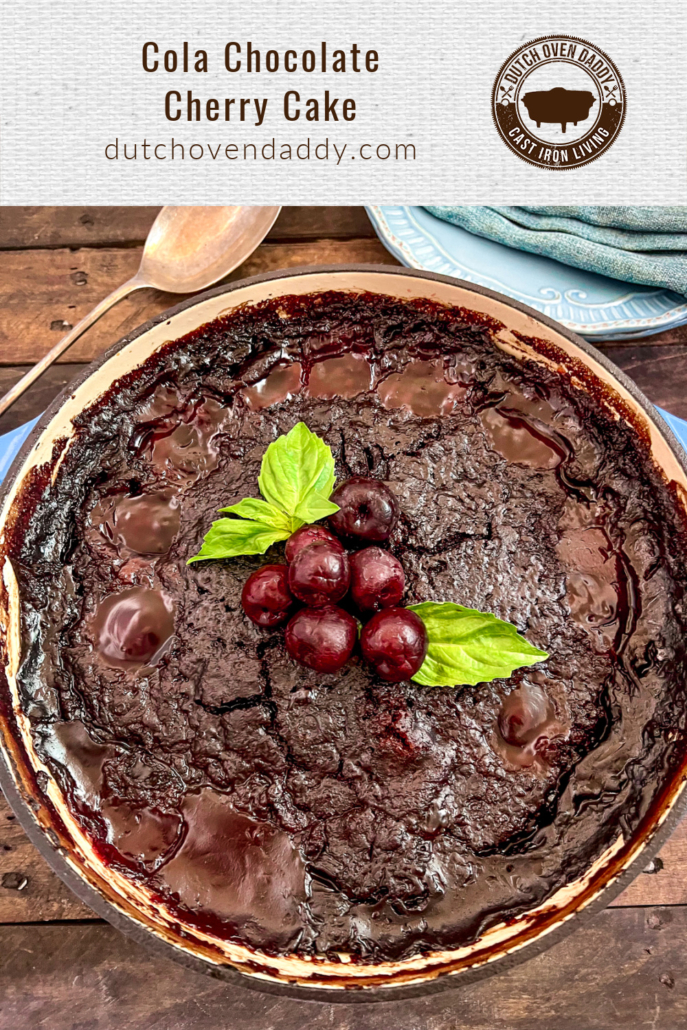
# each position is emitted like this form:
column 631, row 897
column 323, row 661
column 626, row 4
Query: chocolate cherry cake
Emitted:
column 303, row 813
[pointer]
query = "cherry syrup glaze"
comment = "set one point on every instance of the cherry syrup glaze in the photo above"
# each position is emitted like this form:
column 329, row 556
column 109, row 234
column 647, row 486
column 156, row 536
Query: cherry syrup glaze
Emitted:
column 132, row 626
column 320, row 573
column 394, row 641
column 265, row 597
column 278, row 386
column 348, row 377
column 321, row 638
column 397, row 816
column 146, row 523
column 144, row 836
column 526, row 722
column 368, row 510
column 422, row 387
column 308, row 535
column 377, row 579
column 179, row 436
column 240, row 869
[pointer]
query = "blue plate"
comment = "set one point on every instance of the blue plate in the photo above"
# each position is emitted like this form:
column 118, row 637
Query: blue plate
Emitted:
column 591, row 305
column 11, row 442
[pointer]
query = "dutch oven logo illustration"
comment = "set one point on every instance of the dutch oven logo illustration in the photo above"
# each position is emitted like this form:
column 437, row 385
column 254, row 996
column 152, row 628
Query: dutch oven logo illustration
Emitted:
column 559, row 102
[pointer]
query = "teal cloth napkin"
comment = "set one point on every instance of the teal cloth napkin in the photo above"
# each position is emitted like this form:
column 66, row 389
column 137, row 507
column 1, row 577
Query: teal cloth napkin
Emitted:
column 646, row 245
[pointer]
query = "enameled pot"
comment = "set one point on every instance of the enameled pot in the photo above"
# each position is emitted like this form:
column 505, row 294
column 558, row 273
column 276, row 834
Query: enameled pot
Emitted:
column 42, row 809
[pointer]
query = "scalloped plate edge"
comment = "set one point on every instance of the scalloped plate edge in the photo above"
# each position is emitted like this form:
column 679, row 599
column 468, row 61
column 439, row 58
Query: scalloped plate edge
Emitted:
column 444, row 262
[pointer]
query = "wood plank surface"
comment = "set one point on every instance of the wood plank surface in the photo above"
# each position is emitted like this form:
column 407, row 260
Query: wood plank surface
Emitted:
column 38, row 397
column 29, row 890
column 45, row 292
column 622, row 971
column 659, row 369
column 24, row 227
column 60, row 967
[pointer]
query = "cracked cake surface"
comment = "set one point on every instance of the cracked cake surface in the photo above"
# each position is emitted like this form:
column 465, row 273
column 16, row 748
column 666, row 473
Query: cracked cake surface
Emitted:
column 300, row 812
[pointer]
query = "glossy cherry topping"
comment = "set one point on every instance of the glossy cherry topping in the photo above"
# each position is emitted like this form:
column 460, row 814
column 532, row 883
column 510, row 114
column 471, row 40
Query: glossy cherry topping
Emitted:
column 526, row 722
column 395, row 642
column 522, row 713
column 377, row 579
column 265, row 597
column 367, row 509
column 184, row 445
column 346, row 376
column 240, row 869
column 307, row 535
column 423, row 388
column 131, row 627
column 279, row 385
column 147, row 523
column 320, row 574
column 321, row 638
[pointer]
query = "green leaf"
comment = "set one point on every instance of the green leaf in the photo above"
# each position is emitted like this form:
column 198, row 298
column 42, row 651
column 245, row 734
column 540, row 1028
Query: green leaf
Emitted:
column 315, row 507
column 469, row 647
column 261, row 511
column 228, row 538
column 296, row 479
column 297, row 474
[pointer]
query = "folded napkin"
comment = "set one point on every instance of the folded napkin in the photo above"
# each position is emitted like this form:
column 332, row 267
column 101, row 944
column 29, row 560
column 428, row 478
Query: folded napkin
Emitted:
column 645, row 245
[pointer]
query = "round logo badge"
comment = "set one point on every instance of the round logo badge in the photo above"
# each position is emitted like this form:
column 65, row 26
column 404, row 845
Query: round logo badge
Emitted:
column 558, row 102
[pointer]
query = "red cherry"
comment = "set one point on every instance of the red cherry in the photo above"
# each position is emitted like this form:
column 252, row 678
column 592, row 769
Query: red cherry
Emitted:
column 321, row 638
column 307, row 535
column 377, row 579
column 395, row 642
column 367, row 509
column 320, row 574
column 265, row 596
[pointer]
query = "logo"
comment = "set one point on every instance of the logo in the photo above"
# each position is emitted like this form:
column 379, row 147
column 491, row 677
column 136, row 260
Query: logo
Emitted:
column 558, row 102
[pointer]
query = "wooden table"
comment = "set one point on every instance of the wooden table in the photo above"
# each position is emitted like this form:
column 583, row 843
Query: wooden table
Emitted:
column 63, row 969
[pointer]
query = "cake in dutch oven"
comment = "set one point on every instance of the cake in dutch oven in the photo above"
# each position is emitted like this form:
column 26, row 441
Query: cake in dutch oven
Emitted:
column 284, row 785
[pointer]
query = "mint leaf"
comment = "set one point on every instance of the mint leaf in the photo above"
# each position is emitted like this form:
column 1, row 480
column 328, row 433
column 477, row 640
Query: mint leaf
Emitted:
column 228, row 538
column 261, row 511
column 296, row 479
column 467, row 647
column 297, row 474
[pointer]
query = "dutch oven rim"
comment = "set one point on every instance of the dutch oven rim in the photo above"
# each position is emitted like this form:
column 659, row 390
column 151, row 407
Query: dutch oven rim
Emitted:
column 318, row 994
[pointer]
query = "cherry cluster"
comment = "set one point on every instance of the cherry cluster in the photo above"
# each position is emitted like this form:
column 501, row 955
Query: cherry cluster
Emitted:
column 322, row 571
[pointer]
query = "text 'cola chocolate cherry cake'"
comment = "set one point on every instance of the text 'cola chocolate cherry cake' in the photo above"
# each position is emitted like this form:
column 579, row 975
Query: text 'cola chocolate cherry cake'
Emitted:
column 348, row 635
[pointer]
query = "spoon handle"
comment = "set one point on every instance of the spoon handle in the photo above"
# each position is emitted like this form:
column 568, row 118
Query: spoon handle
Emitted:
column 39, row 368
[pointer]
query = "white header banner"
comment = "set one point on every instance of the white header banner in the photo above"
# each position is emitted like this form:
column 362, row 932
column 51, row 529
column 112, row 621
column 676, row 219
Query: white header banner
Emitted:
column 306, row 102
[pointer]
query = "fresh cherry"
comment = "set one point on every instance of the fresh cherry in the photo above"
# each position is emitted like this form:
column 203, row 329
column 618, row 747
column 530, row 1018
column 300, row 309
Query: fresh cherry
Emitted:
column 377, row 579
column 265, row 596
column 320, row 574
column 367, row 509
column 395, row 642
column 321, row 638
column 307, row 535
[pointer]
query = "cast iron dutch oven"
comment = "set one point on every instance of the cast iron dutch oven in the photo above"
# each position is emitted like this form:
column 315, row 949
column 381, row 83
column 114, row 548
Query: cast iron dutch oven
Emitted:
column 42, row 810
